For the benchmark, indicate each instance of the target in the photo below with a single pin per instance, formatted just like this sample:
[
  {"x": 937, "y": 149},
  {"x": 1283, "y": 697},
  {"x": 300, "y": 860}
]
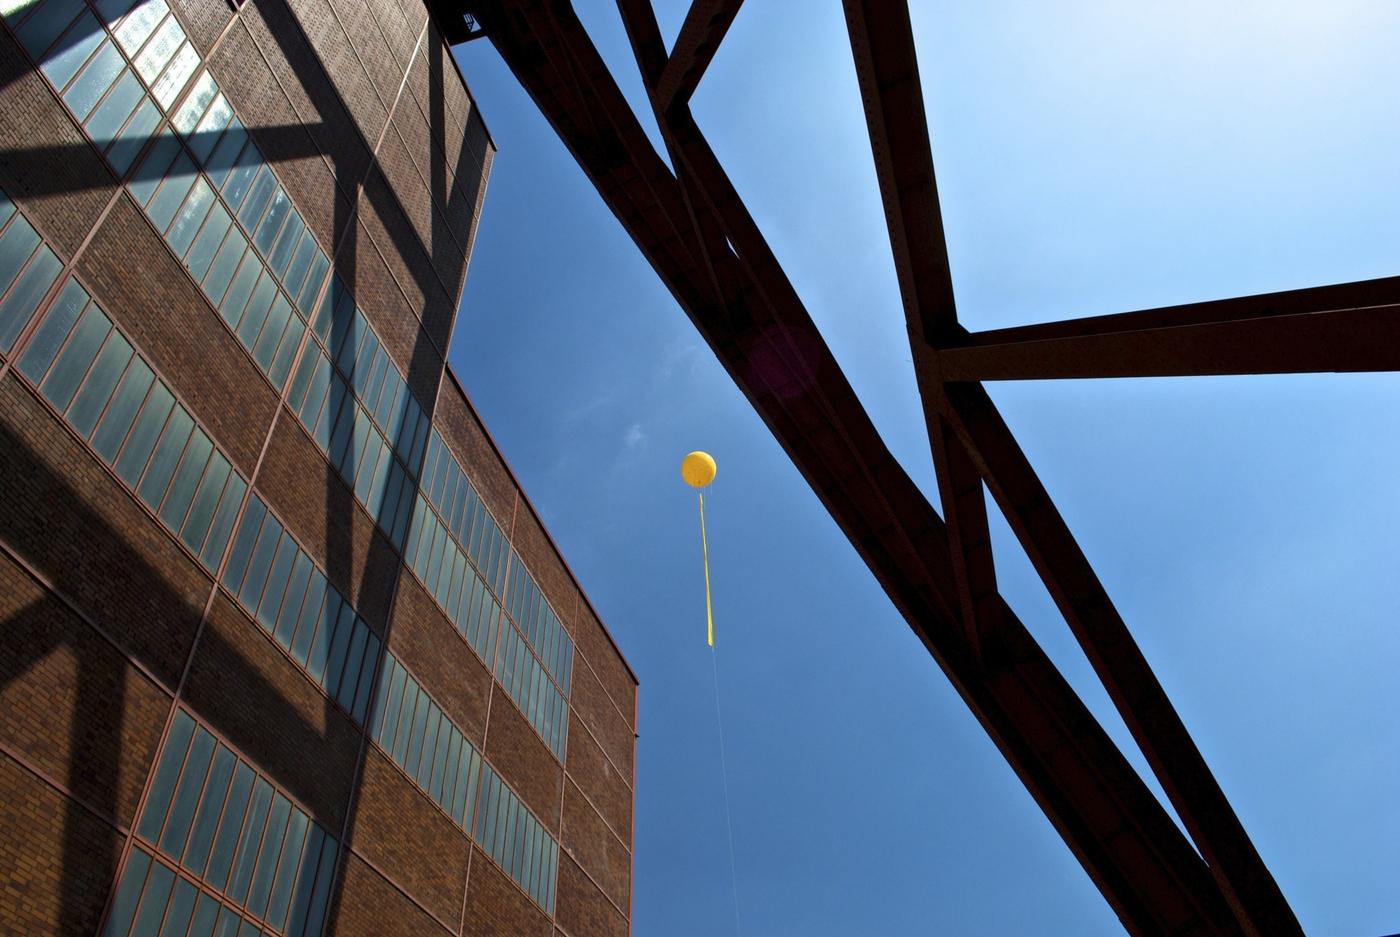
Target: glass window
[
  {"x": 413, "y": 701},
  {"x": 187, "y": 223},
  {"x": 204, "y": 914},
  {"x": 319, "y": 655},
  {"x": 78, "y": 43},
  {"x": 302, "y": 891},
  {"x": 211, "y": 803},
  {"x": 300, "y": 265},
  {"x": 389, "y": 700},
  {"x": 171, "y": 195},
  {"x": 258, "y": 197},
  {"x": 276, "y": 583},
  {"x": 223, "y": 521},
  {"x": 167, "y": 39},
  {"x": 291, "y": 605},
  {"x": 143, "y": 436},
  {"x": 241, "y": 174},
  {"x": 133, "y": 31},
  {"x": 102, "y": 380},
  {"x": 225, "y": 155},
  {"x": 132, "y": 138},
  {"x": 210, "y": 129},
  {"x": 310, "y": 616},
  {"x": 112, "y": 113},
  {"x": 182, "y": 66},
  {"x": 201, "y": 255},
  {"x": 94, "y": 80},
  {"x": 128, "y": 894},
  {"x": 23, "y": 299},
  {"x": 121, "y": 412},
  {"x": 350, "y": 670},
  {"x": 256, "y": 313},
  {"x": 317, "y": 276},
  {"x": 224, "y": 265},
  {"x": 45, "y": 24},
  {"x": 177, "y": 826},
  {"x": 261, "y": 559},
  {"x": 231, "y": 309},
  {"x": 205, "y": 501},
  {"x": 282, "y": 250},
  {"x": 186, "y": 479},
  {"x": 277, "y": 822},
  {"x": 167, "y": 772},
  {"x": 365, "y": 684},
  {"x": 272, "y": 222},
  {"x": 272, "y": 331},
  {"x": 73, "y": 362},
  {"x": 166, "y": 457},
  {"x": 286, "y": 869},
  {"x": 221, "y": 856},
  {"x": 286, "y": 351},
  {"x": 154, "y": 900},
  {"x": 249, "y": 842}
]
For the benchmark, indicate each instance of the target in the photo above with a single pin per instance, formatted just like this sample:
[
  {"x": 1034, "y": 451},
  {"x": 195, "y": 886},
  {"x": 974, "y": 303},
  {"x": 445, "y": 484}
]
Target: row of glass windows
[
  {"x": 418, "y": 735},
  {"x": 462, "y": 510},
  {"x": 280, "y": 587},
  {"x": 447, "y": 574},
  {"x": 107, "y": 393},
  {"x": 525, "y": 679},
  {"x": 541, "y": 627},
  {"x": 223, "y": 824},
  {"x": 453, "y": 582},
  {"x": 458, "y": 506},
  {"x": 516, "y": 840}
]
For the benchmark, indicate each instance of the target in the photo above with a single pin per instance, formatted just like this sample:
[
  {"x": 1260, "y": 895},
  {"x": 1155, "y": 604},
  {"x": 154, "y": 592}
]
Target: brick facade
[{"x": 108, "y": 621}]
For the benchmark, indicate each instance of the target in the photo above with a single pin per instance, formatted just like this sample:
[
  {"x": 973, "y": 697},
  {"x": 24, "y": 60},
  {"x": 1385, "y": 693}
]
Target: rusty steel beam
[
  {"x": 882, "y": 45},
  {"x": 705, "y": 24},
  {"x": 1339, "y": 340},
  {"x": 747, "y": 311}
]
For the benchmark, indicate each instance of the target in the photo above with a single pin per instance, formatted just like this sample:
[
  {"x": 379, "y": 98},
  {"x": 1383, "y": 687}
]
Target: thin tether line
[{"x": 724, "y": 786}]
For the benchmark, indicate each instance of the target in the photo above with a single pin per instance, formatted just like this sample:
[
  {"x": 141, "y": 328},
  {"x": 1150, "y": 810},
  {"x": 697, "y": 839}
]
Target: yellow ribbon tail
[{"x": 705, "y": 552}]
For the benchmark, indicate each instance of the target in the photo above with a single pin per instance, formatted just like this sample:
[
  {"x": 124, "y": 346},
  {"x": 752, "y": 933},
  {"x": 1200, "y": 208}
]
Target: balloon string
[
  {"x": 705, "y": 552},
  {"x": 724, "y": 786}
]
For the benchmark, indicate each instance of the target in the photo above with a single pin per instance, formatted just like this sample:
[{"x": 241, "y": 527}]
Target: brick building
[{"x": 284, "y": 649}]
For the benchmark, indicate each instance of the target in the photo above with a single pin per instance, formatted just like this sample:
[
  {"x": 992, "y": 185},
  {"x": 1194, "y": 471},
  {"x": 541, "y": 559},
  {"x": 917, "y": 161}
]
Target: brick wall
[{"x": 106, "y": 619}]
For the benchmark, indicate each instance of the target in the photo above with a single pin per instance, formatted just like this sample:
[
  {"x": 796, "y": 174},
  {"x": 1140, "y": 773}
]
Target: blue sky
[{"x": 1091, "y": 158}]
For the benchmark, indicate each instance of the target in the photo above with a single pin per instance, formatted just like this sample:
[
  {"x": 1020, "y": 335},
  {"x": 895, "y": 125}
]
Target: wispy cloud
[{"x": 635, "y": 437}]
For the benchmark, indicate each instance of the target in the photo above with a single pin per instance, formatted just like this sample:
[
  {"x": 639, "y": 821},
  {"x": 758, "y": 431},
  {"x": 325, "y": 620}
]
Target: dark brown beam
[
  {"x": 883, "y": 47},
  {"x": 1134, "y": 689},
  {"x": 1125, "y": 840},
  {"x": 882, "y": 43},
  {"x": 1341, "y": 340},
  {"x": 705, "y": 24}
]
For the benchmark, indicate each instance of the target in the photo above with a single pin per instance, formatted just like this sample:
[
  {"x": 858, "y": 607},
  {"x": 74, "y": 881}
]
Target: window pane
[
  {"x": 143, "y": 435},
  {"x": 201, "y": 255},
  {"x": 121, "y": 412},
  {"x": 223, "y": 520},
  {"x": 24, "y": 298},
  {"x": 310, "y": 617},
  {"x": 182, "y": 490},
  {"x": 350, "y": 670},
  {"x": 276, "y": 582},
  {"x": 112, "y": 113},
  {"x": 319, "y": 655},
  {"x": 153, "y": 902},
  {"x": 257, "y": 198},
  {"x": 256, "y": 313},
  {"x": 177, "y": 916},
  {"x": 177, "y": 825},
  {"x": 195, "y": 103},
  {"x": 172, "y": 193},
  {"x": 272, "y": 223},
  {"x": 166, "y": 457},
  {"x": 286, "y": 869},
  {"x": 242, "y": 287},
  {"x": 45, "y": 24},
  {"x": 272, "y": 331},
  {"x": 159, "y": 50},
  {"x": 179, "y": 72},
  {"x": 163, "y": 784},
  {"x": 240, "y": 176},
  {"x": 95, "y": 78},
  {"x": 73, "y": 362},
  {"x": 305, "y": 882},
  {"x": 204, "y": 915},
  {"x": 249, "y": 842},
  {"x": 191, "y": 216},
  {"x": 77, "y": 44},
  {"x": 133, "y": 136},
  {"x": 291, "y": 605},
  {"x": 286, "y": 243},
  {"x": 128, "y": 894},
  {"x": 202, "y": 510},
  {"x": 221, "y": 857},
  {"x": 225, "y": 155},
  {"x": 16, "y": 245},
  {"x": 267, "y": 855},
  {"x": 102, "y": 380},
  {"x": 225, "y": 263},
  {"x": 211, "y": 803},
  {"x": 138, "y": 26},
  {"x": 210, "y": 130},
  {"x": 153, "y": 168}
]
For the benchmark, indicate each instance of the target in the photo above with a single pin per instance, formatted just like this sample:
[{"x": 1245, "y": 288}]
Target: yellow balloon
[{"x": 698, "y": 469}]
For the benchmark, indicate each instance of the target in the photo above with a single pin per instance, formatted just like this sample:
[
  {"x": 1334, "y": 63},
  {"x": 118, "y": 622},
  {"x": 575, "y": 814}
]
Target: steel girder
[{"x": 695, "y": 231}]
